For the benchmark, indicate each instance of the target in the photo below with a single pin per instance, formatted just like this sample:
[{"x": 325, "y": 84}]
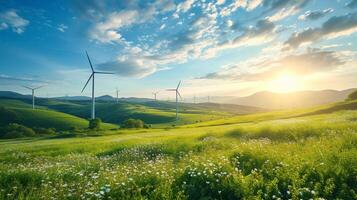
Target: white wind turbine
[
  {"x": 117, "y": 95},
  {"x": 177, "y": 95},
  {"x": 92, "y": 77},
  {"x": 155, "y": 95},
  {"x": 33, "y": 94}
]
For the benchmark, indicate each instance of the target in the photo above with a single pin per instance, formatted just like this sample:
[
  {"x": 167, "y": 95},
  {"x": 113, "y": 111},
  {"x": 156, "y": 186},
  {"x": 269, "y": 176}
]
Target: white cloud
[
  {"x": 283, "y": 13},
  {"x": 162, "y": 26},
  {"x": 249, "y": 5},
  {"x": 310, "y": 62},
  {"x": 220, "y": 2},
  {"x": 10, "y": 19},
  {"x": 108, "y": 30},
  {"x": 334, "y": 27},
  {"x": 314, "y": 15},
  {"x": 62, "y": 27},
  {"x": 185, "y": 6}
]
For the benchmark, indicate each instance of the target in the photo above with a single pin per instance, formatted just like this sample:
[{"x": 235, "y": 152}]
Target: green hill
[
  {"x": 151, "y": 112},
  {"x": 42, "y": 117}
]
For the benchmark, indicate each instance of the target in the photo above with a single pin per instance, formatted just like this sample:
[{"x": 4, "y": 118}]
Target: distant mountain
[
  {"x": 272, "y": 100},
  {"x": 14, "y": 95},
  {"x": 103, "y": 98},
  {"x": 73, "y": 98}
]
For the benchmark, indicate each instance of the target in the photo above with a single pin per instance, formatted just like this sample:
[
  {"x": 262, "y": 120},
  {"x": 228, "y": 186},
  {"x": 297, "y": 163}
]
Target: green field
[{"x": 293, "y": 154}]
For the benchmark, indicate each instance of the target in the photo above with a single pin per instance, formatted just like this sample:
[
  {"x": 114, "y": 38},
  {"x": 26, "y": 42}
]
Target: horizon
[
  {"x": 220, "y": 47},
  {"x": 187, "y": 99}
]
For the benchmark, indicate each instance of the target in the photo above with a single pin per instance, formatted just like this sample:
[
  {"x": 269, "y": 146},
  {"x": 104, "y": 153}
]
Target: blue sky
[{"x": 217, "y": 48}]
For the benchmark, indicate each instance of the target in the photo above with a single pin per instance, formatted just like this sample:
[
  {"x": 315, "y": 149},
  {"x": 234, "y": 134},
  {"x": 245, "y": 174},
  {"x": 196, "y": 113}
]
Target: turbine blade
[
  {"x": 87, "y": 82},
  {"x": 103, "y": 72},
  {"x": 90, "y": 63},
  {"x": 179, "y": 94},
  {"x": 171, "y": 90},
  {"x": 178, "y": 85},
  {"x": 27, "y": 87},
  {"x": 39, "y": 87}
]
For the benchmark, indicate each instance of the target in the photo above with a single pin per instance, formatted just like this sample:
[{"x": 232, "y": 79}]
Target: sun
[{"x": 286, "y": 82}]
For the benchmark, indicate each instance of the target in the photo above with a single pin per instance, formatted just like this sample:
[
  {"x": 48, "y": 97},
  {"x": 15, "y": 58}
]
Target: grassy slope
[
  {"x": 42, "y": 117},
  {"x": 150, "y": 112},
  {"x": 283, "y": 114}
]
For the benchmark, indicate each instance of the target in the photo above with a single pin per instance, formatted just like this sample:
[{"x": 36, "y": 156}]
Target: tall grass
[{"x": 305, "y": 158}]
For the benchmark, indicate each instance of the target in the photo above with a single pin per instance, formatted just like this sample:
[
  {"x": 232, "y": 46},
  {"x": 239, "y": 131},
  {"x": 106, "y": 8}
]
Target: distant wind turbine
[
  {"x": 118, "y": 95},
  {"x": 33, "y": 94},
  {"x": 155, "y": 95},
  {"x": 92, "y": 77},
  {"x": 177, "y": 95}
]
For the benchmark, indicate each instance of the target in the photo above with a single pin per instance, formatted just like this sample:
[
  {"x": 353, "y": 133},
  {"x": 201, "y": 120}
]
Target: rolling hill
[
  {"x": 301, "y": 99},
  {"x": 152, "y": 112},
  {"x": 42, "y": 117}
]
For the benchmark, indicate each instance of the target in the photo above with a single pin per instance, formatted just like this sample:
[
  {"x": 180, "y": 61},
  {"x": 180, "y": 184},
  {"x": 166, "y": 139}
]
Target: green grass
[
  {"x": 45, "y": 118},
  {"x": 295, "y": 154}
]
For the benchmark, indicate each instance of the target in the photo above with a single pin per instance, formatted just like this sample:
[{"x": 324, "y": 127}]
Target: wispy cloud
[
  {"x": 21, "y": 80},
  {"x": 314, "y": 15},
  {"x": 310, "y": 62},
  {"x": 10, "y": 19},
  {"x": 352, "y": 4},
  {"x": 334, "y": 27},
  {"x": 62, "y": 28}
]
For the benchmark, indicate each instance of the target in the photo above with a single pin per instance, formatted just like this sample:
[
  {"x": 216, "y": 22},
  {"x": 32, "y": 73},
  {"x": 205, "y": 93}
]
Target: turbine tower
[
  {"x": 33, "y": 94},
  {"x": 118, "y": 95},
  {"x": 177, "y": 95},
  {"x": 155, "y": 95},
  {"x": 92, "y": 77}
]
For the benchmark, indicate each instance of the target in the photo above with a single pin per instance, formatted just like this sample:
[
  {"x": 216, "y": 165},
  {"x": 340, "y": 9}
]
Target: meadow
[{"x": 294, "y": 154}]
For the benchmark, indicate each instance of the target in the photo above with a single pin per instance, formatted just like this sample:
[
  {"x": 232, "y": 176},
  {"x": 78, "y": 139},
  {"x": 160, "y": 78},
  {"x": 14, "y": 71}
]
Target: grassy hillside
[
  {"x": 277, "y": 155},
  {"x": 42, "y": 117},
  {"x": 282, "y": 114},
  {"x": 151, "y": 112}
]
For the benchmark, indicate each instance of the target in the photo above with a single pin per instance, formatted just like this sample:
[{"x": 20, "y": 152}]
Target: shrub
[
  {"x": 8, "y": 116},
  {"x": 44, "y": 131},
  {"x": 133, "y": 123},
  {"x": 17, "y": 130},
  {"x": 352, "y": 96},
  {"x": 94, "y": 124},
  {"x": 147, "y": 126}
]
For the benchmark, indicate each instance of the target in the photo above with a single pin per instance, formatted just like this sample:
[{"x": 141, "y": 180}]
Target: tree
[
  {"x": 17, "y": 130},
  {"x": 94, "y": 124},
  {"x": 133, "y": 123},
  {"x": 352, "y": 96}
]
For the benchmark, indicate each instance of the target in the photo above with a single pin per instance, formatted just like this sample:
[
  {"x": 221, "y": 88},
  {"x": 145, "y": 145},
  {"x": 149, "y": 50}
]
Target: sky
[{"x": 217, "y": 48}]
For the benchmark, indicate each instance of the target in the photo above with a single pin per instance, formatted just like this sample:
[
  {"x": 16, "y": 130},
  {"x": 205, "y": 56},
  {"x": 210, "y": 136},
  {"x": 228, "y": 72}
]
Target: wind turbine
[
  {"x": 118, "y": 95},
  {"x": 92, "y": 77},
  {"x": 177, "y": 95},
  {"x": 155, "y": 95},
  {"x": 33, "y": 94}
]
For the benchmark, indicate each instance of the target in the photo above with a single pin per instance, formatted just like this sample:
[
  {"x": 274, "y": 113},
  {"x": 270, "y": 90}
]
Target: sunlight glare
[{"x": 286, "y": 82}]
